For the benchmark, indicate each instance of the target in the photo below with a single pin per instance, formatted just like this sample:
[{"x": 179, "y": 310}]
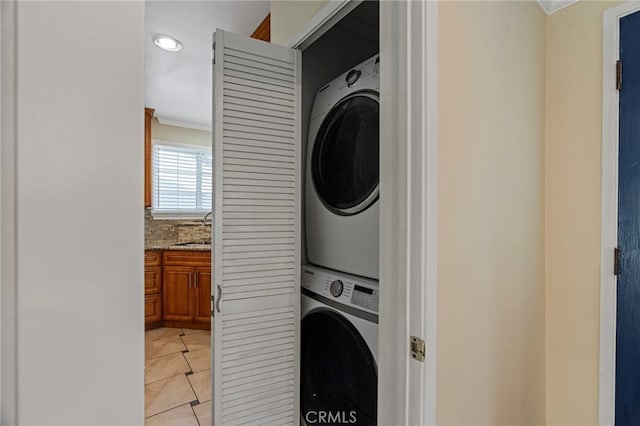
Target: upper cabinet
[
  {"x": 263, "y": 32},
  {"x": 148, "y": 115}
]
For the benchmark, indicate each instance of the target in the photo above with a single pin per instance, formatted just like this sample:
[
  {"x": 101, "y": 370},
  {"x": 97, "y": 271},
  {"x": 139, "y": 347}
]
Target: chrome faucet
[{"x": 204, "y": 221}]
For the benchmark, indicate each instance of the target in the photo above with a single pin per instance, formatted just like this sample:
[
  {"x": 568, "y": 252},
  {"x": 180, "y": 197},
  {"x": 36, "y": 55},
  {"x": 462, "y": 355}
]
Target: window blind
[{"x": 182, "y": 178}]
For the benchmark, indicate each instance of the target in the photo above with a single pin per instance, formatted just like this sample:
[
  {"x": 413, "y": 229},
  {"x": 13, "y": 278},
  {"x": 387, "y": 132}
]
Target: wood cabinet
[
  {"x": 187, "y": 289},
  {"x": 202, "y": 306},
  {"x": 153, "y": 311},
  {"x": 152, "y": 289},
  {"x": 263, "y": 32},
  {"x": 148, "y": 115},
  {"x": 178, "y": 297}
]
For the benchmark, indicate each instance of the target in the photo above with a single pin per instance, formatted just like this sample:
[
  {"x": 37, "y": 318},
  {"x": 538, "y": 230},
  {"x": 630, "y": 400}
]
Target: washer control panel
[
  {"x": 365, "y": 297},
  {"x": 344, "y": 288},
  {"x": 335, "y": 288}
]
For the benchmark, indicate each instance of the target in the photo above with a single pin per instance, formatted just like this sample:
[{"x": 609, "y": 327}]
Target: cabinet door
[
  {"x": 152, "y": 308},
  {"x": 152, "y": 280},
  {"x": 256, "y": 232},
  {"x": 202, "y": 278},
  {"x": 178, "y": 298}
]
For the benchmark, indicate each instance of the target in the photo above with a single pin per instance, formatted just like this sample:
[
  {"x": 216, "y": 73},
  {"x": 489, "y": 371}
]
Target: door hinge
[
  {"x": 619, "y": 75},
  {"x": 416, "y": 347},
  {"x": 616, "y": 261}
]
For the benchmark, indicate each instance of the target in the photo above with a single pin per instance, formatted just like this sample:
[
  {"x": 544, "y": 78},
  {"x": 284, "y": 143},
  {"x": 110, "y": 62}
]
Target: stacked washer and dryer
[{"x": 340, "y": 289}]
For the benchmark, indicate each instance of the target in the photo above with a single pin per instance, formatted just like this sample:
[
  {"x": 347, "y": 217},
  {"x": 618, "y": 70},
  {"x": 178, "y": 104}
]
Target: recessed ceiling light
[{"x": 167, "y": 43}]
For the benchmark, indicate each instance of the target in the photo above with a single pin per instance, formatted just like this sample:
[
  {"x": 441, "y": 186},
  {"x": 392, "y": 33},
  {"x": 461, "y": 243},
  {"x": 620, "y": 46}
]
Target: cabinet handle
[{"x": 219, "y": 296}]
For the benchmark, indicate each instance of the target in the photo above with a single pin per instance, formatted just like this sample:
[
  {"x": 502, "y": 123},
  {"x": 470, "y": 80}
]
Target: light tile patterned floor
[{"x": 177, "y": 377}]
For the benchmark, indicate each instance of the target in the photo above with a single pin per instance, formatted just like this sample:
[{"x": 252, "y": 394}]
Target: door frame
[
  {"x": 609, "y": 222},
  {"x": 408, "y": 210},
  {"x": 8, "y": 214}
]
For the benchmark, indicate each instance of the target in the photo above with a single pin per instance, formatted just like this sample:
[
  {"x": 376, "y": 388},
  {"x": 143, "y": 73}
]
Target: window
[{"x": 182, "y": 179}]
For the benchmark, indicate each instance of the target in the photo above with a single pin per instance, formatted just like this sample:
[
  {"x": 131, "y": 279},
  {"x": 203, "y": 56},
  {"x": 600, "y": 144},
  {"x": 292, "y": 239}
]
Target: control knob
[{"x": 336, "y": 288}]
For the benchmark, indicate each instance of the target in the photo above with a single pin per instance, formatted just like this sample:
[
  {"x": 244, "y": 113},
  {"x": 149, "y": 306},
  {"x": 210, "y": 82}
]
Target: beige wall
[
  {"x": 573, "y": 190},
  {"x": 180, "y": 134},
  {"x": 512, "y": 343},
  {"x": 491, "y": 229},
  {"x": 288, "y": 17}
]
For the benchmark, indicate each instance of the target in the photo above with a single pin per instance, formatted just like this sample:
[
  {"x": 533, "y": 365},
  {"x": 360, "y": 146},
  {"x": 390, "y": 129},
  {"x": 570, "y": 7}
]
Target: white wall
[
  {"x": 80, "y": 216},
  {"x": 7, "y": 215}
]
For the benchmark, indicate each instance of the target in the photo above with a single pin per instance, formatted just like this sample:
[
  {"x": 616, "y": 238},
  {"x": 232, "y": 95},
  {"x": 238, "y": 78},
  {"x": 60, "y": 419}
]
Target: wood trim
[
  {"x": 152, "y": 325},
  {"x": 148, "y": 115},
  {"x": 263, "y": 32}
]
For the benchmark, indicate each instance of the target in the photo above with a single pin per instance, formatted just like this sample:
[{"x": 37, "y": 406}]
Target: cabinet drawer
[
  {"x": 152, "y": 257},
  {"x": 152, "y": 279},
  {"x": 153, "y": 308},
  {"x": 186, "y": 258}
]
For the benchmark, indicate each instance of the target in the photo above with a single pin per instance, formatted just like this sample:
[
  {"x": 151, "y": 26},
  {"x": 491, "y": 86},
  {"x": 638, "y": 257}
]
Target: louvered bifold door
[{"x": 256, "y": 232}]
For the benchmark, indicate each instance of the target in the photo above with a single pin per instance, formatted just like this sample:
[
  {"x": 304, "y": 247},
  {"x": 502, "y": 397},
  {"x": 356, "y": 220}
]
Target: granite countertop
[{"x": 180, "y": 246}]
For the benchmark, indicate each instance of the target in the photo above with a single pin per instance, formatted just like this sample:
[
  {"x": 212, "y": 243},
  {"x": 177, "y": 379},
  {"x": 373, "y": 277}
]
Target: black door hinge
[
  {"x": 619, "y": 75},
  {"x": 616, "y": 261}
]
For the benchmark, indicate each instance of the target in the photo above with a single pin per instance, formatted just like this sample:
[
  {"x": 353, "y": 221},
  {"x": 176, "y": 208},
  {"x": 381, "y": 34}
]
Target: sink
[{"x": 194, "y": 244}]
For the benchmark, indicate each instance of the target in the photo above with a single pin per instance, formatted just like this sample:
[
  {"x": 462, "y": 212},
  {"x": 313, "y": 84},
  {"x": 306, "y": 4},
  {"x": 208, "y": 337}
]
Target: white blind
[{"x": 181, "y": 178}]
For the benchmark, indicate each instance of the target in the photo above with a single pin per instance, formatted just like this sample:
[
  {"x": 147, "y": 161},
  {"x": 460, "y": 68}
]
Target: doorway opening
[{"x": 178, "y": 201}]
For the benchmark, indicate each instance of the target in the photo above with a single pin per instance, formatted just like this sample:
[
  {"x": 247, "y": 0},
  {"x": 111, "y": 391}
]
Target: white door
[{"x": 256, "y": 256}]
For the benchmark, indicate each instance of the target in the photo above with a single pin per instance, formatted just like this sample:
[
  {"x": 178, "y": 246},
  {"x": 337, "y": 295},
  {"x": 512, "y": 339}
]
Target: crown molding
[
  {"x": 552, "y": 6},
  {"x": 176, "y": 123}
]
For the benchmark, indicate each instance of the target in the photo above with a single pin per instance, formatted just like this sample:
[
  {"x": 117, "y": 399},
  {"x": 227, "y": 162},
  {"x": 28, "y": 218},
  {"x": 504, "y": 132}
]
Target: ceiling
[{"x": 178, "y": 84}]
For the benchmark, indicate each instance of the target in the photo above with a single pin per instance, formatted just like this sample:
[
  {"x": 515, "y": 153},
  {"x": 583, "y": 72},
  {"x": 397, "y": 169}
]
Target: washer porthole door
[
  {"x": 339, "y": 378},
  {"x": 346, "y": 154}
]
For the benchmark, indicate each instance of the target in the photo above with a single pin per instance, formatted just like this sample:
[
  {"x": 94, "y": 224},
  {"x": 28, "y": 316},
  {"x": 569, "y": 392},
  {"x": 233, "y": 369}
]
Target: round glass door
[
  {"x": 339, "y": 376},
  {"x": 346, "y": 152}
]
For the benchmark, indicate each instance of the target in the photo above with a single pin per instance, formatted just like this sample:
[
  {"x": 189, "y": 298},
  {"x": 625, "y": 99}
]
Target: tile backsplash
[{"x": 158, "y": 233}]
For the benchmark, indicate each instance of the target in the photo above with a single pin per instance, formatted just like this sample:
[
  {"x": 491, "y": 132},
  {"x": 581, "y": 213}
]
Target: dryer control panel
[
  {"x": 365, "y": 76},
  {"x": 343, "y": 288}
]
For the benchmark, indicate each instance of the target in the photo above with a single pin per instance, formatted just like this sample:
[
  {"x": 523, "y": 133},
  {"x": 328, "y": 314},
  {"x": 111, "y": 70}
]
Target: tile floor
[{"x": 177, "y": 377}]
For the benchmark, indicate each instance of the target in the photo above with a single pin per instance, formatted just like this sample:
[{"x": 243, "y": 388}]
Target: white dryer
[
  {"x": 342, "y": 209},
  {"x": 339, "y": 373}
]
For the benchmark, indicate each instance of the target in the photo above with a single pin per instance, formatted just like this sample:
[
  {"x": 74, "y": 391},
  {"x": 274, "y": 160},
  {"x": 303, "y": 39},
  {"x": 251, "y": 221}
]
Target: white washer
[
  {"x": 342, "y": 209},
  {"x": 339, "y": 373}
]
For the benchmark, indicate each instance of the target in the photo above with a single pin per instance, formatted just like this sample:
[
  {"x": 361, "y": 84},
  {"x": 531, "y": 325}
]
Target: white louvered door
[{"x": 256, "y": 254}]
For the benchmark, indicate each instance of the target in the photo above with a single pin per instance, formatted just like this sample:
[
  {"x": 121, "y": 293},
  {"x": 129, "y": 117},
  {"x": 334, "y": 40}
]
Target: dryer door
[
  {"x": 345, "y": 159},
  {"x": 339, "y": 383}
]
